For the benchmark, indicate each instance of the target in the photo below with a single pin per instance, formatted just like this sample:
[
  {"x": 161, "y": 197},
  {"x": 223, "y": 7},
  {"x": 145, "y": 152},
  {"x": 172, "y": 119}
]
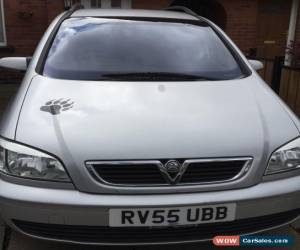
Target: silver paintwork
[
  {"x": 256, "y": 65},
  {"x": 129, "y": 121},
  {"x": 72, "y": 207},
  {"x": 132, "y": 13},
  {"x": 18, "y": 148},
  {"x": 18, "y": 63},
  {"x": 150, "y": 120}
]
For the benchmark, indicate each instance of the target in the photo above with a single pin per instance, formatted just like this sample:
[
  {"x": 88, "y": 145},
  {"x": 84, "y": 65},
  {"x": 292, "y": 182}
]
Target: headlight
[
  {"x": 285, "y": 159},
  {"x": 21, "y": 161}
]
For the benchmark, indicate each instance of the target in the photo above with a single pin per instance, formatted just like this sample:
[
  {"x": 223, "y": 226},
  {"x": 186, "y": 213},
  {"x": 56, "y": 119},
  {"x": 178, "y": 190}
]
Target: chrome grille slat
[{"x": 153, "y": 173}]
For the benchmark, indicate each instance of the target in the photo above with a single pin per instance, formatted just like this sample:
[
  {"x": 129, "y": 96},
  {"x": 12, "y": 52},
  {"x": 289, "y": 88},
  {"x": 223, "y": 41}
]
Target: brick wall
[
  {"x": 54, "y": 7},
  {"x": 241, "y": 18},
  {"x": 242, "y": 22},
  {"x": 26, "y": 21}
]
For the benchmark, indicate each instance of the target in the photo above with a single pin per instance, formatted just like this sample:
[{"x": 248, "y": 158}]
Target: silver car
[{"x": 137, "y": 127}]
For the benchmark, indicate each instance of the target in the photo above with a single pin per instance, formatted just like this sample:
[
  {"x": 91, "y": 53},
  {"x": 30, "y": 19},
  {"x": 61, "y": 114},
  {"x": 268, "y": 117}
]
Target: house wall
[
  {"x": 241, "y": 18},
  {"x": 242, "y": 22},
  {"x": 25, "y": 23},
  {"x": 153, "y": 4},
  {"x": 297, "y": 36},
  {"x": 23, "y": 34},
  {"x": 54, "y": 7},
  {"x": 24, "y": 31}
]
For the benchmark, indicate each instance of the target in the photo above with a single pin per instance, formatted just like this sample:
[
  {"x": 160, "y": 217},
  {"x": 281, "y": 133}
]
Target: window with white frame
[
  {"x": 107, "y": 4},
  {"x": 2, "y": 25}
]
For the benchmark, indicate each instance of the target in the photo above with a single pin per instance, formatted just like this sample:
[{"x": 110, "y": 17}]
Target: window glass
[
  {"x": 110, "y": 49},
  {"x": 96, "y": 3},
  {"x": 116, "y": 3}
]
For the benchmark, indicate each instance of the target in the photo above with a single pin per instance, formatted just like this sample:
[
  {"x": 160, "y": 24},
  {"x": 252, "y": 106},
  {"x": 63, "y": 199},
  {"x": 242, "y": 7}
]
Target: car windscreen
[{"x": 96, "y": 49}]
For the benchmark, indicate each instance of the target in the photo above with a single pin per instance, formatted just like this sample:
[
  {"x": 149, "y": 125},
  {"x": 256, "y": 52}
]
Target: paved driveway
[{"x": 20, "y": 242}]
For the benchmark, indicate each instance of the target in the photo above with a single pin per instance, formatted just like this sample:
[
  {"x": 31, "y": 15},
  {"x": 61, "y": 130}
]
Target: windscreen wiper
[{"x": 156, "y": 76}]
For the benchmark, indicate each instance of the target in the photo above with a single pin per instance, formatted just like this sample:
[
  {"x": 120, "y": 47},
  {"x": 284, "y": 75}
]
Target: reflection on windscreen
[{"x": 111, "y": 49}]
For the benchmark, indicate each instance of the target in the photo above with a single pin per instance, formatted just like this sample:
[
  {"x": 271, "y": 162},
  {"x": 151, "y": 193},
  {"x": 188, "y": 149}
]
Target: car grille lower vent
[
  {"x": 120, "y": 236},
  {"x": 172, "y": 172}
]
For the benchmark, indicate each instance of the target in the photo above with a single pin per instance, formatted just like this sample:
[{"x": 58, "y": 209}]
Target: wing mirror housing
[
  {"x": 257, "y": 65},
  {"x": 16, "y": 63}
]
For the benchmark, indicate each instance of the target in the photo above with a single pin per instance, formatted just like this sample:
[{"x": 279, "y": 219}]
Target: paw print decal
[{"x": 55, "y": 107}]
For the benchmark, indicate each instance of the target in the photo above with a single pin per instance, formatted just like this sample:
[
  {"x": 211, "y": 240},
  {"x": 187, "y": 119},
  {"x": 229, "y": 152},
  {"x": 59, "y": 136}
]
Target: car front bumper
[{"x": 30, "y": 209}]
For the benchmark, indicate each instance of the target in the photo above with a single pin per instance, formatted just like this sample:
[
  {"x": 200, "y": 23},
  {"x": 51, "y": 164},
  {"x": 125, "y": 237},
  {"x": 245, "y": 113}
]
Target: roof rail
[
  {"x": 183, "y": 9},
  {"x": 74, "y": 7}
]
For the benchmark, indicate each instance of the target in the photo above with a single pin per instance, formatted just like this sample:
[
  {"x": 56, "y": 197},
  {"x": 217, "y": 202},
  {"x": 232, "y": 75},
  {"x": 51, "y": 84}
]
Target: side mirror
[
  {"x": 257, "y": 65},
  {"x": 17, "y": 63}
]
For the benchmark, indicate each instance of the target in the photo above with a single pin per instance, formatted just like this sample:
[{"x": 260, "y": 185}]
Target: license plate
[{"x": 178, "y": 216}]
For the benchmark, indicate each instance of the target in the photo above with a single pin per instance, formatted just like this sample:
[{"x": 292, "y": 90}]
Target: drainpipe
[{"x": 292, "y": 30}]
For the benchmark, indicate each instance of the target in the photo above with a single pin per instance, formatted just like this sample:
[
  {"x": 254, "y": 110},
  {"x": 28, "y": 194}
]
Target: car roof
[{"x": 132, "y": 13}]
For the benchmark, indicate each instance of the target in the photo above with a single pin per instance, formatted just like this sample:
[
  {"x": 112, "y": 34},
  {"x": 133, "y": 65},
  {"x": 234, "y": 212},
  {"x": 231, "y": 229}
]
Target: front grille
[
  {"x": 155, "y": 173},
  {"x": 107, "y": 235},
  {"x": 211, "y": 171},
  {"x": 127, "y": 174}
]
